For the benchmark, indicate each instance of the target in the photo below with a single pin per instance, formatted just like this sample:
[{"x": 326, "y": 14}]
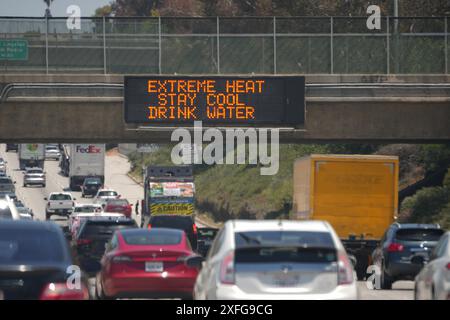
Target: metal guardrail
[
  {"x": 313, "y": 90},
  {"x": 223, "y": 45}
]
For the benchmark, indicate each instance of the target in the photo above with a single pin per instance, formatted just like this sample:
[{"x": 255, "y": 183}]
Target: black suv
[
  {"x": 185, "y": 223},
  {"x": 403, "y": 250},
  {"x": 12, "y": 146},
  {"x": 93, "y": 234},
  {"x": 90, "y": 186}
]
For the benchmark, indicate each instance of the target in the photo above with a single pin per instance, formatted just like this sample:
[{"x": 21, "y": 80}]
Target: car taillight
[
  {"x": 81, "y": 242},
  {"x": 345, "y": 270},
  {"x": 60, "y": 291},
  {"x": 121, "y": 259},
  {"x": 194, "y": 228},
  {"x": 448, "y": 266},
  {"x": 227, "y": 269},
  {"x": 395, "y": 247},
  {"x": 149, "y": 226}
]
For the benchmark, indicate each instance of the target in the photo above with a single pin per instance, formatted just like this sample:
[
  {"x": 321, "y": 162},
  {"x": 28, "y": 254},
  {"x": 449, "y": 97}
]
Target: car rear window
[
  {"x": 153, "y": 237},
  {"x": 5, "y": 181},
  {"x": 5, "y": 212},
  {"x": 60, "y": 197},
  {"x": 103, "y": 229},
  {"x": 287, "y": 238},
  {"x": 93, "y": 182},
  {"x": 293, "y": 254},
  {"x": 172, "y": 222},
  {"x": 30, "y": 246},
  {"x": 418, "y": 234},
  {"x": 87, "y": 209},
  {"x": 34, "y": 171},
  {"x": 118, "y": 202},
  {"x": 107, "y": 194}
]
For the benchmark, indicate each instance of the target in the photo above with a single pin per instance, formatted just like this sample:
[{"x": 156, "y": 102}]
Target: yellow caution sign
[{"x": 172, "y": 208}]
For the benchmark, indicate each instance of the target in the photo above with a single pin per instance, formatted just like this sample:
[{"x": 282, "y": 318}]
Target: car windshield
[
  {"x": 118, "y": 202},
  {"x": 60, "y": 196},
  {"x": 284, "y": 238},
  {"x": 153, "y": 237},
  {"x": 29, "y": 246},
  {"x": 418, "y": 234},
  {"x": 107, "y": 194}
]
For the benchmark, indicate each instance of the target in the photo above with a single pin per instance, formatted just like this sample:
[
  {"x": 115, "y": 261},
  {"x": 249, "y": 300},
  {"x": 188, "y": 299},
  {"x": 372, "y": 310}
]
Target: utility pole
[{"x": 396, "y": 16}]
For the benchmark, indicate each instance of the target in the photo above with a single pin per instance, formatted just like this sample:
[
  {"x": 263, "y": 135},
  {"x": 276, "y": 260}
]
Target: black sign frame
[{"x": 293, "y": 113}]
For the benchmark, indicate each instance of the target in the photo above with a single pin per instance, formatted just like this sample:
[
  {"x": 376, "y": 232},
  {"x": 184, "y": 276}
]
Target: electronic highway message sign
[{"x": 215, "y": 100}]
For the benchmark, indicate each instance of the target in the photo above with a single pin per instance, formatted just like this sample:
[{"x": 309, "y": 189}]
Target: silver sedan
[
  {"x": 275, "y": 259},
  {"x": 34, "y": 176},
  {"x": 433, "y": 281}
]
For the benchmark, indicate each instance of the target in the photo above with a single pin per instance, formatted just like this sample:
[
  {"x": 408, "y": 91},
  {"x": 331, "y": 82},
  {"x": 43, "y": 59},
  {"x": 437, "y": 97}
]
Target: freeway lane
[{"x": 116, "y": 178}]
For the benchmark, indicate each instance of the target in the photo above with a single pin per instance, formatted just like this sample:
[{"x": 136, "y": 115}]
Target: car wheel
[
  {"x": 99, "y": 294},
  {"x": 43, "y": 186},
  {"x": 416, "y": 295},
  {"x": 386, "y": 281},
  {"x": 48, "y": 215}
]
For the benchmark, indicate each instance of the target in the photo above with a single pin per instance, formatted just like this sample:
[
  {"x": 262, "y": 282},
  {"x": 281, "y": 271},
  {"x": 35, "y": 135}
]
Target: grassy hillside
[{"x": 239, "y": 191}]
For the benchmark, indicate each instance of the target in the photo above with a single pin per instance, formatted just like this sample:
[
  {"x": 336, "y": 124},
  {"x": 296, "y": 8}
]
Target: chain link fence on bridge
[{"x": 213, "y": 45}]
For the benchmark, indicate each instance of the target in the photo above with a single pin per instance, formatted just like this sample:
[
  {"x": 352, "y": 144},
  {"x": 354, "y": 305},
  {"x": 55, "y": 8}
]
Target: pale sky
[{"x": 36, "y": 8}]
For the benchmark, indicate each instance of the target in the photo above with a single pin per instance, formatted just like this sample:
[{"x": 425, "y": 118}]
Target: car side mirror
[
  {"x": 45, "y": 199},
  {"x": 14, "y": 182},
  {"x": 194, "y": 262},
  {"x": 353, "y": 260},
  {"x": 74, "y": 199}
]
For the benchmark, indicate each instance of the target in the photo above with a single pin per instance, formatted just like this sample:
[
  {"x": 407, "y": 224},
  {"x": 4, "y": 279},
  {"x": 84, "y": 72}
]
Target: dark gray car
[{"x": 403, "y": 250}]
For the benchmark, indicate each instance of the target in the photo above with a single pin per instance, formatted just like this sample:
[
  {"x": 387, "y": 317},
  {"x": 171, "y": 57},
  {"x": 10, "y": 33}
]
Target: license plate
[
  {"x": 153, "y": 267},
  {"x": 286, "y": 281}
]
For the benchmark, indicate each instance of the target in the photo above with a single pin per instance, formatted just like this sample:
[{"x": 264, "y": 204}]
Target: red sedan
[
  {"x": 118, "y": 206},
  {"x": 142, "y": 263}
]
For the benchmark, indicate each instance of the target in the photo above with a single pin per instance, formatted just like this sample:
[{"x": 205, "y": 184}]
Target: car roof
[
  {"x": 111, "y": 219},
  {"x": 29, "y": 225},
  {"x": 415, "y": 226},
  {"x": 171, "y": 216},
  {"x": 100, "y": 190},
  {"x": 100, "y": 214},
  {"x": 68, "y": 193},
  {"x": 153, "y": 230},
  {"x": 279, "y": 225}
]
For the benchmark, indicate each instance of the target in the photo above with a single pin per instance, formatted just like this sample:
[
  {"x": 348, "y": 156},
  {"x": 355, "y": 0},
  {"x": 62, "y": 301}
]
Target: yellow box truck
[{"x": 356, "y": 194}]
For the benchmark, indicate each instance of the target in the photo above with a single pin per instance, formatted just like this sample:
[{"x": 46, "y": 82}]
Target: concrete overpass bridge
[{"x": 339, "y": 108}]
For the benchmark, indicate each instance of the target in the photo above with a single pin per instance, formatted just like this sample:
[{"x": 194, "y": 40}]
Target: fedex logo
[{"x": 89, "y": 149}]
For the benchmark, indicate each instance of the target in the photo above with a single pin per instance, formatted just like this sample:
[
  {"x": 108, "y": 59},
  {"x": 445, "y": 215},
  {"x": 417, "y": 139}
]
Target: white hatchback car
[
  {"x": 433, "y": 281},
  {"x": 275, "y": 259}
]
